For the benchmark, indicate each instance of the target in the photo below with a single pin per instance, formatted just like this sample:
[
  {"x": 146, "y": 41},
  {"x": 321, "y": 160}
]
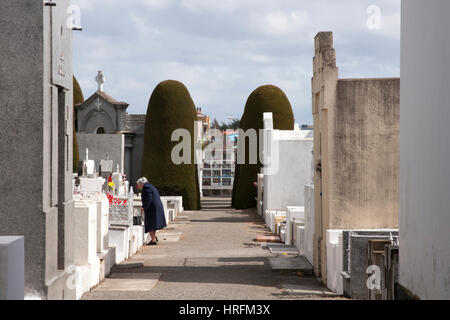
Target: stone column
[
  {"x": 324, "y": 87},
  {"x": 36, "y": 138}
]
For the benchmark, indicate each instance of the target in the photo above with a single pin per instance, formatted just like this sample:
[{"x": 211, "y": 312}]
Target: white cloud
[{"x": 223, "y": 49}]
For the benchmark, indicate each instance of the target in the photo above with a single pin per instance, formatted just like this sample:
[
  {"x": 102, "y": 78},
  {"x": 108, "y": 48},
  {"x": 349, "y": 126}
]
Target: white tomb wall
[
  {"x": 424, "y": 217},
  {"x": 335, "y": 263},
  {"x": 291, "y": 214},
  {"x": 284, "y": 182},
  {"x": 309, "y": 224},
  {"x": 92, "y": 185}
]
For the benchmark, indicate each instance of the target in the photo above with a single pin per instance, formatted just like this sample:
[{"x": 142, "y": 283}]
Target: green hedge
[
  {"x": 77, "y": 98},
  {"x": 264, "y": 99},
  {"x": 170, "y": 108}
]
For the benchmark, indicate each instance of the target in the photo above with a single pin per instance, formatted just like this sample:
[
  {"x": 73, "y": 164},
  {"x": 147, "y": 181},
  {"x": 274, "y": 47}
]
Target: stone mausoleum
[
  {"x": 356, "y": 157},
  {"x": 106, "y": 129}
]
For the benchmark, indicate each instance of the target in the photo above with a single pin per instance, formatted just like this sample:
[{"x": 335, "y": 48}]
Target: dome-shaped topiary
[
  {"x": 264, "y": 99},
  {"x": 170, "y": 108},
  {"x": 77, "y": 98}
]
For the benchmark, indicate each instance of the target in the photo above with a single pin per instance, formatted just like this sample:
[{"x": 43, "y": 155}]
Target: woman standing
[{"x": 154, "y": 211}]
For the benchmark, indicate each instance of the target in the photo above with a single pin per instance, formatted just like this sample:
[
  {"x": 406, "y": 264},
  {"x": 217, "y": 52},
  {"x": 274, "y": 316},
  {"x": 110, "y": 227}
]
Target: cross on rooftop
[{"x": 100, "y": 79}]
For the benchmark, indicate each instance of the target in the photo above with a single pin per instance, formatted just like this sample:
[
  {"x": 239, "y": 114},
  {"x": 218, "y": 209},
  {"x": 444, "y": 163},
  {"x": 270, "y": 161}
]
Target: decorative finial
[{"x": 100, "y": 79}]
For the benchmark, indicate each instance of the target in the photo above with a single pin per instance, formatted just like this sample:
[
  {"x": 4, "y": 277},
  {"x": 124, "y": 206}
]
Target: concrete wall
[
  {"x": 136, "y": 123},
  {"x": 100, "y": 145},
  {"x": 364, "y": 154},
  {"x": 424, "y": 149},
  {"x": 136, "y": 162}
]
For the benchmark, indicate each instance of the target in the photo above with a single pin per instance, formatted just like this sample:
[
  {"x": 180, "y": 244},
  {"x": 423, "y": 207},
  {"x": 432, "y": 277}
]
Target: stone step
[
  {"x": 281, "y": 248},
  {"x": 177, "y": 222},
  {"x": 268, "y": 238},
  {"x": 306, "y": 290},
  {"x": 134, "y": 265},
  {"x": 138, "y": 281},
  {"x": 291, "y": 264}
]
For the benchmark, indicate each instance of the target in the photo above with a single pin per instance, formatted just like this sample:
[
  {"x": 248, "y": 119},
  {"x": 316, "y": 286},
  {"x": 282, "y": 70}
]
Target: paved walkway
[{"x": 215, "y": 258}]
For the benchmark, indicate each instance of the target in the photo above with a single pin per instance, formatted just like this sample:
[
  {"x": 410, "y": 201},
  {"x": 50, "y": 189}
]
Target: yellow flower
[{"x": 111, "y": 184}]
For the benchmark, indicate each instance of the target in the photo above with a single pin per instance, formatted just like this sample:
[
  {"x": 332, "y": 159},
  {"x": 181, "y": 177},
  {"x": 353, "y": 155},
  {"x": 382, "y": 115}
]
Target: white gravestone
[
  {"x": 85, "y": 226},
  {"x": 12, "y": 268},
  {"x": 106, "y": 166},
  {"x": 90, "y": 165},
  {"x": 292, "y": 213},
  {"x": 102, "y": 222},
  {"x": 92, "y": 185}
]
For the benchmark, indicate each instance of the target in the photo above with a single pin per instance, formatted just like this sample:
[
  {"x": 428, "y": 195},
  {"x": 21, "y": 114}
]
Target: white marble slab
[
  {"x": 291, "y": 214},
  {"x": 119, "y": 238},
  {"x": 129, "y": 282}
]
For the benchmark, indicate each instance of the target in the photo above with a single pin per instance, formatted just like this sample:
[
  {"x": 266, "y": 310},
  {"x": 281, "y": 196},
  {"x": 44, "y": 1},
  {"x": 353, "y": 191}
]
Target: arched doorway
[{"x": 100, "y": 130}]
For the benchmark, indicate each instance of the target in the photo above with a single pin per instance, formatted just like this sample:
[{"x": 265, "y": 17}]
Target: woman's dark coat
[{"x": 153, "y": 208}]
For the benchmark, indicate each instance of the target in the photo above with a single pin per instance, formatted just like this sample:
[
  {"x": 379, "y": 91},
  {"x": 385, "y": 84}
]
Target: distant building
[
  {"x": 219, "y": 161},
  {"x": 206, "y": 120}
]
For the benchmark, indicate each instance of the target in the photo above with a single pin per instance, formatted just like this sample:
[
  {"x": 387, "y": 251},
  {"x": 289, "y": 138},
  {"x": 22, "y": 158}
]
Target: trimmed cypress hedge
[
  {"x": 77, "y": 98},
  {"x": 264, "y": 99},
  {"x": 170, "y": 108}
]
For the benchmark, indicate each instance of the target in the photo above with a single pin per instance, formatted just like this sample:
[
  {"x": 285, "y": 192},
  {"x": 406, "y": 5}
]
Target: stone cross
[
  {"x": 98, "y": 103},
  {"x": 100, "y": 79}
]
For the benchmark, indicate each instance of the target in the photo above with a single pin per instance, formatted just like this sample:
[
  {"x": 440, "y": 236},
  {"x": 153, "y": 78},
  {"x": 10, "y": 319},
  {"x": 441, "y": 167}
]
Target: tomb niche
[
  {"x": 266, "y": 98},
  {"x": 77, "y": 99},
  {"x": 170, "y": 108}
]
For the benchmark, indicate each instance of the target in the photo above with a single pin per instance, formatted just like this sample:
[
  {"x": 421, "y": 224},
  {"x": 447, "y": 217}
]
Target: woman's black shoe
[{"x": 152, "y": 243}]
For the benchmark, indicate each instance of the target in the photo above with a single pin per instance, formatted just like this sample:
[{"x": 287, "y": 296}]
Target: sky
[{"x": 222, "y": 50}]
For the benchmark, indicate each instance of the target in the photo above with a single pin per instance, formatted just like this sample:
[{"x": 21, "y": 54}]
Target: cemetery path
[{"x": 216, "y": 258}]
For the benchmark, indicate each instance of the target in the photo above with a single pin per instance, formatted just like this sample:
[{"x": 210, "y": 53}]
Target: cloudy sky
[{"x": 224, "y": 49}]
